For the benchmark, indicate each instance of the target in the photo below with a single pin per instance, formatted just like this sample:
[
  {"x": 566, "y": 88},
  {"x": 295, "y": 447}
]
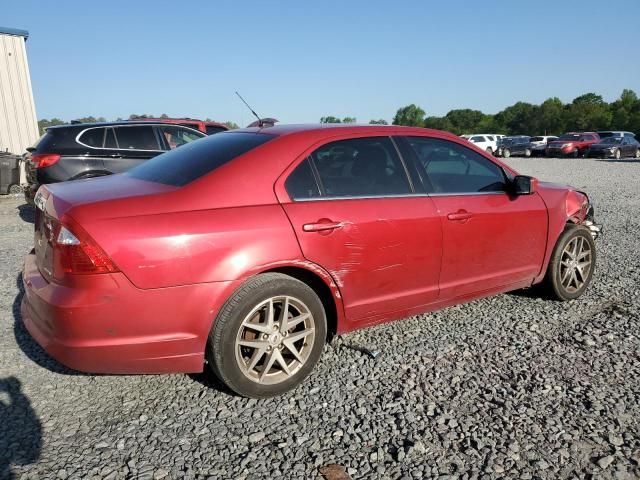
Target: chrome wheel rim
[
  {"x": 275, "y": 340},
  {"x": 575, "y": 264}
]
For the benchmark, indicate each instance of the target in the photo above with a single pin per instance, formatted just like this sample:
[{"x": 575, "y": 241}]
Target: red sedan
[{"x": 250, "y": 248}]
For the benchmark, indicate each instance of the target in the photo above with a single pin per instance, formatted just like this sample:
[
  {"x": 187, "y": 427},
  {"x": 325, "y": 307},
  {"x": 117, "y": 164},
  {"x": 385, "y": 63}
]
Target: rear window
[
  {"x": 56, "y": 139},
  {"x": 194, "y": 160}
]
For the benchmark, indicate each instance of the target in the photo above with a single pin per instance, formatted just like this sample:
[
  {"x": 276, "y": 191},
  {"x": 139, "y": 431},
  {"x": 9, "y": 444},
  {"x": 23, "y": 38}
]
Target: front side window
[
  {"x": 451, "y": 168},
  {"x": 137, "y": 138},
  {"x": 176, "y": 136},
  {"x": 360, "y": 167}
]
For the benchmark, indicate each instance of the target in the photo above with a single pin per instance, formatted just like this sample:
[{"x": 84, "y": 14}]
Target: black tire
[
  {"x": 617, "y": 155},
  {"x": 506, "y": 153},
  {"x": 221, "y": 347},
  {"x": 637, "y": 155},
  {"x": 527, "y": 153},
  {"x": 489, "y": 150},
  {"x": 15, "y": 189},
  {"x": 552, "y": 279},
  {"x": 575, "y": 153}
]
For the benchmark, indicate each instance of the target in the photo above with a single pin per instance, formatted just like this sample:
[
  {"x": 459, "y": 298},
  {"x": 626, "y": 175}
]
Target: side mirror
[{"x": 524, "y": 185}]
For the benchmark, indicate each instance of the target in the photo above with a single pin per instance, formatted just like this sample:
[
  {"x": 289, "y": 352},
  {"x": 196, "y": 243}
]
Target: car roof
[
  {"x": 331, "y": 129},
  {"x": 108, "y": 124}
]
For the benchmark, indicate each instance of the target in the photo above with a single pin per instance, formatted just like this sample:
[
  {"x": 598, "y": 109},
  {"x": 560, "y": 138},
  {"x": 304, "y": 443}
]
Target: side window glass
[
  {"x": 361, "y": 167},
  {"x": 477, "y": 138},
  {"x": 453, "y": 168},
  {"x": 110, "y": 139},
  {"x": 137, "y": 138},
  {"x": 176, "y": 136},
  {"x": 301, "y": 184},
  {"x": 93, "y": 137}
]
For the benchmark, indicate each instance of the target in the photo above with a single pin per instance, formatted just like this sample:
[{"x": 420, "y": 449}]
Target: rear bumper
[{"x": 104, "y": 324}]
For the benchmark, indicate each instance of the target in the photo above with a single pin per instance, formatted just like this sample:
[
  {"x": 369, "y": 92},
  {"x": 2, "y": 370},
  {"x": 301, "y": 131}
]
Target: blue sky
[{"x": 302, "y": 60}]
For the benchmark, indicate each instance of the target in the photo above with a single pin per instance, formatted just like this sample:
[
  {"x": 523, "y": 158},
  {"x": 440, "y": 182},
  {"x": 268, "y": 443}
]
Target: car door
[
  {"x": 490, "y": 237},
  {"x": 135, "y": 144},
  {"x": 355, "y": 213}
]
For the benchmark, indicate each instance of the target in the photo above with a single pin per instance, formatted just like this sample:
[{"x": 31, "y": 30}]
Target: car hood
[{"x": 604, "y": 145}]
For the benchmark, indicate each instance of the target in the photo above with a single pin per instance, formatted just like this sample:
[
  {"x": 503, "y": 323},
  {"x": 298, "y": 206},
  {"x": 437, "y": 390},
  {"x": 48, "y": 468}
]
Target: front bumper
[{"x": 104, "y": 324}]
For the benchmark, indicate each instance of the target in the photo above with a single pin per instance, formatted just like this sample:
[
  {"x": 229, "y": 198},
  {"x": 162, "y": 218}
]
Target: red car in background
[
  {"x": 207, "y": 127},
  {"x": 573, "y": 144},
  {"x": 252, "y": 247}
]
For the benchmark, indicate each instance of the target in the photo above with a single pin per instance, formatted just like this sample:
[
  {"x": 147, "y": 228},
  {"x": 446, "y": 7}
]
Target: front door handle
[
  {"x": 460, "y": 215},
  {"x": 322, "y": 226}
]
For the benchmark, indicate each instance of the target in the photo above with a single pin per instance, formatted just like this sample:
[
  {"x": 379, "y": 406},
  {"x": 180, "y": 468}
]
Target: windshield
[
  {"x": 612, "y": 140},
  {"x": 570, "y": 136},
  {"x": 196, "y": 159}
]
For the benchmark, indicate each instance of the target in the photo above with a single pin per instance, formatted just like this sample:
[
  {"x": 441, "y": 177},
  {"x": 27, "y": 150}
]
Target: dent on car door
[
  {"x": 490, "y": 237},
  {"x": 136, "y": 144},
  {"x": 354, "y": 213}
]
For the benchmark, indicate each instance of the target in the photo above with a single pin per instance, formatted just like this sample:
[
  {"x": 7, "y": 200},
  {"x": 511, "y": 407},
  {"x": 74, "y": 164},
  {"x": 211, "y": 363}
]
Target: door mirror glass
[{"x": 524, "y": 185}]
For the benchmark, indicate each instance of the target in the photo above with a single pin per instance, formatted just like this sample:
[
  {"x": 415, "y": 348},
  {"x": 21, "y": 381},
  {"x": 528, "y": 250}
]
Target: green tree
[
  {"x": 465, "y": 120},
  {"x": 44, "y": 123},
  {"x": 349, "y": 120},
  {"x": 232, "y": 125},
  {"x": 410, "y": 116},
  {"x": 378, "y": 122},
  {"x": 551, "y": 117},
  {"x": 330, "y": 119},
  {"x": 589, "y": 112},
  {"x": 518, "y": 119}
]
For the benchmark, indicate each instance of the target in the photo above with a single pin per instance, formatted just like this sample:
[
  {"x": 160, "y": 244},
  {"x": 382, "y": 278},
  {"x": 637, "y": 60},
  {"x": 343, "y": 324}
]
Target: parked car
[
  {"x": 572, "y": 144},
  {"x": 539, "y": 144},
  {"x": 485, "y": 142},
  {"x": 616, "y": 133},
  {"x": 84, "y": 150},
  {"x": 515, "y": 145},
  {"x": 615, "y": 147},
  {"x": 251, "y": 247},
  {"x": 203, "y": 126}
]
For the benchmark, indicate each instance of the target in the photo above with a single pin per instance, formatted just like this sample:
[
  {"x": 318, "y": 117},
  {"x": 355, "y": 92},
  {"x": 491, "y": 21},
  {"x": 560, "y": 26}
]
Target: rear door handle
[
  {"x": 322, "y": 226},
  {"x": 460, "y": 215}
]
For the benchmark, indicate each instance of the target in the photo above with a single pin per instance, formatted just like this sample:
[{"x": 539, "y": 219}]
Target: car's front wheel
[
  {"x": 527, "y": 153},
  {"x": 506, "y": 153},
  {"x": 572, "y": 263},
  {"x": 268, "y": 336},
  {"x": 617, "y": 154}
]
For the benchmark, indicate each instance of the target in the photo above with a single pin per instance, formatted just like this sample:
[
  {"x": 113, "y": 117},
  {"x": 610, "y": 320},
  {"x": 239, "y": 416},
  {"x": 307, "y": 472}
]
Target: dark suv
[{"x": 72, "y": 152}]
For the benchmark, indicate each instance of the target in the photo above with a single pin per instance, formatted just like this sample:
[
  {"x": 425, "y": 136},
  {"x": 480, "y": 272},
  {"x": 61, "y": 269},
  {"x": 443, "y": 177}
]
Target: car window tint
[
  {"x": 110, "y": 139},
  {"x": 361, "y": 167},
  {"x": 194, "y": 160},
  {"x": 211, "y": 129},
  {"x": 94, "y": 137},
  {"x": 477, "y": 138},
  {"x": 137, "y": 138},
  {"x": 452, "y": 168},
  {"x": 301, "y": 184},
  {"x": 176, "y": 136}
]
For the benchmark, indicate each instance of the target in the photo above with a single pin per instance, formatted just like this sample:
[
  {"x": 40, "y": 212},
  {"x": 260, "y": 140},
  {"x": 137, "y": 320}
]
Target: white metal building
[{"x": 18, "y": 121}]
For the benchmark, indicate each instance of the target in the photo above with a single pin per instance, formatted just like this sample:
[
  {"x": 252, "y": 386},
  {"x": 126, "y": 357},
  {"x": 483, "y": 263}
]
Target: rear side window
[
  {"x": 176, "y": 136},
  {"x": 94, "y": 137},
  {"x": 451, "y": 168},
  {"x": 302, "y": 184},
  {"x": 110, "y": 139},
  {"x": 360, "y": 167},
  {"x": 477, "y": 138},
  {"x": 137, "y": 138},
  {"x": 194, "y": 160}
]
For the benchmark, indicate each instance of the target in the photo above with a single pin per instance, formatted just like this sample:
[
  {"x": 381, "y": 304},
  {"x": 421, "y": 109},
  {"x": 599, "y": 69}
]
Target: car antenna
[{"x": 251, "y": 109}]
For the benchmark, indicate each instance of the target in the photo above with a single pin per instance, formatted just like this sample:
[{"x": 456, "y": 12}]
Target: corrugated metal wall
[{"x": 18, "y": 121}]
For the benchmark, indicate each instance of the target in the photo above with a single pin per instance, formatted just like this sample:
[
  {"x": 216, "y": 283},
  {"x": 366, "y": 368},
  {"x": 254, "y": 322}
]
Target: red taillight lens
[
  {"x": 75, "y": 252},
  {"x": 43, "y": 160}
]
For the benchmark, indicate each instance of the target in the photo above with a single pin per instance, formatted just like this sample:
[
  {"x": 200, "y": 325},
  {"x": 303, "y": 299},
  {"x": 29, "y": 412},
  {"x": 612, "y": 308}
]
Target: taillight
[
  {"x": 43, "y": 160},
  {"x": 75, "y": 252}
]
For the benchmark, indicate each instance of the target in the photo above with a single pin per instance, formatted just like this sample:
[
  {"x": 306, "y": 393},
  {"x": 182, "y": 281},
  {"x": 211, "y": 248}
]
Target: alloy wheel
[
  {"x": 275, "y": 340},
  {"x": 575, "y": 264}
]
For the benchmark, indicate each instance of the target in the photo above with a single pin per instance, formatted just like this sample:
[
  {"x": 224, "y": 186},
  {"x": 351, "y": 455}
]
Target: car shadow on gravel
[
  {"x": 28, "y": 345},
  {"x": 21, "y": 438},
  {"x": 27, "y": 213},
  {"x": 622, "y": 160}
]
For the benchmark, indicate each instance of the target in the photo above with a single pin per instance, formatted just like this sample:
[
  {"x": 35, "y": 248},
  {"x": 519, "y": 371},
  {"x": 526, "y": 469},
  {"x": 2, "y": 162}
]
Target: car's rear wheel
[
  {"x": 637, "y": 153},
  {"x": 268, "y": 336},
  {"x": 527, "y": 153},
  {"x": 572, "y": 263},
  {"x": 506, "y": 153},
  {"x": 489, "y": 150},
  {"x": 617, "y": 154}
]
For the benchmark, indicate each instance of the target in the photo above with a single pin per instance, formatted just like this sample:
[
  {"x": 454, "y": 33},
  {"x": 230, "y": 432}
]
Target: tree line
[
  {"x": 587, "y": 112},
  {"x": 44, "y": 123}
]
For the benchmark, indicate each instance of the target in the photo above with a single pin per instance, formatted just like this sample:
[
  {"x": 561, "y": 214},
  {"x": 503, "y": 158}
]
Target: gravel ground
[{"x": 506, "y": 387}]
